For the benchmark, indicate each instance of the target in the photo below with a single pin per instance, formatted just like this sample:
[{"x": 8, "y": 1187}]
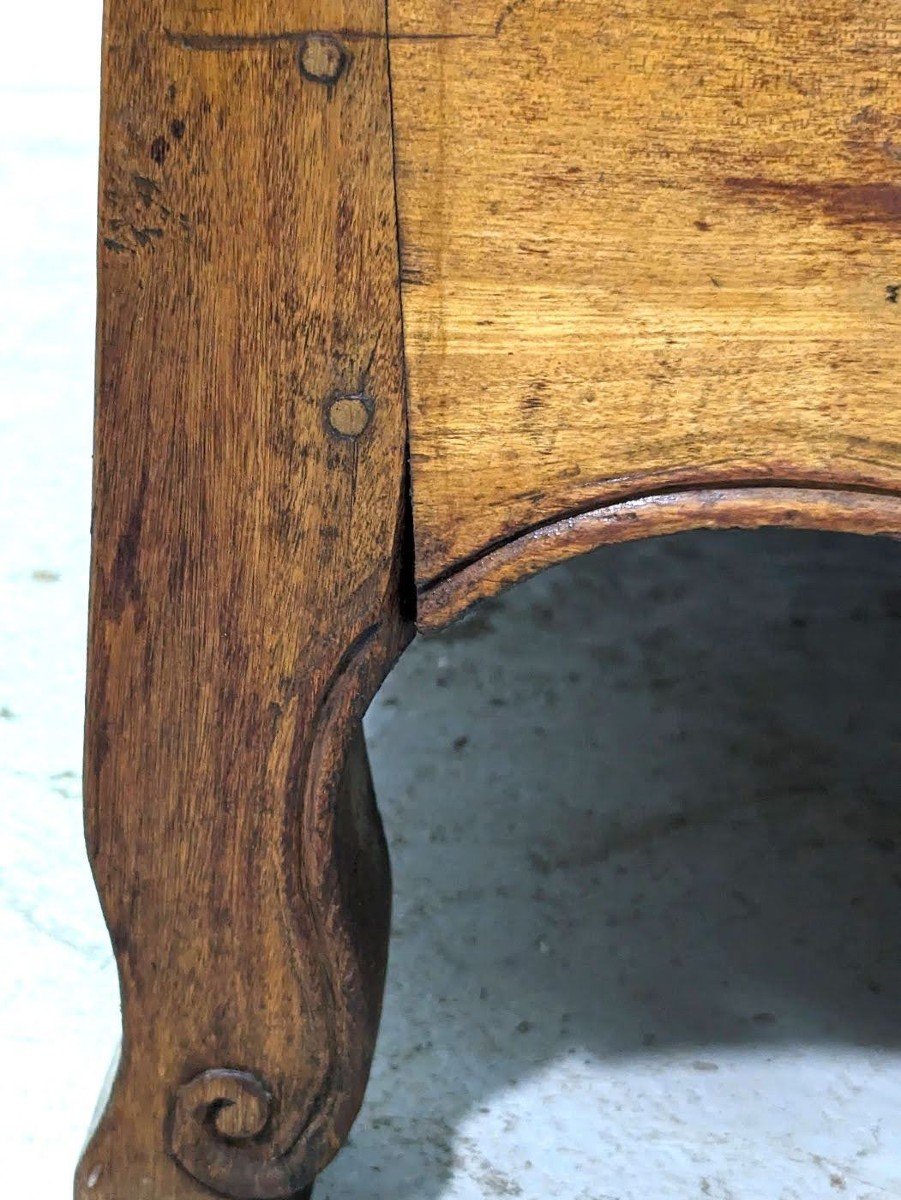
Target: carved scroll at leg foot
[
  {"x": 232, "y": 1129},
  {"x": 249, "y": 1030}
]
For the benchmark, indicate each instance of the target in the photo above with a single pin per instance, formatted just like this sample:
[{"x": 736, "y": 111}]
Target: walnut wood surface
[
  {"x": 647, "y": 260},
  {"x": 246, "y": 596},
  {"x": 655, "y": 516},
  {"x": 644, "y": 247}
]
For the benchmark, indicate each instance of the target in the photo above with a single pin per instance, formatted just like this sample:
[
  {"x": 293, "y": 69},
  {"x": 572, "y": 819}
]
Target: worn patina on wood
[
  {"x": 246, "y": 596},
  {"x": 647, "y": 248},
  {"x": 648, "y": 262}
]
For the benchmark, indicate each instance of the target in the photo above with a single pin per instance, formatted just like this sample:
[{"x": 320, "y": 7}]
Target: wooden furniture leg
[{"x": 248, "y": 584}]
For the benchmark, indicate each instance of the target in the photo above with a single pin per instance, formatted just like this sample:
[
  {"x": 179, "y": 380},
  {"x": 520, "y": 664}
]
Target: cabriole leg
[{"x": 247, "y": 585}]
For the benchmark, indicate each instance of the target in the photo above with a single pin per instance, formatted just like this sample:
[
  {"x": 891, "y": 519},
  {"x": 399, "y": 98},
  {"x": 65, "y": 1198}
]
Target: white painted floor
[{"x": 644, "y": 814}]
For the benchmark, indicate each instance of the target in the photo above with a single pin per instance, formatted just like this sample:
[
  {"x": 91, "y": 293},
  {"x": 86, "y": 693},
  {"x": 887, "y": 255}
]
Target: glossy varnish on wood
[{"x": 644, "y": 247}]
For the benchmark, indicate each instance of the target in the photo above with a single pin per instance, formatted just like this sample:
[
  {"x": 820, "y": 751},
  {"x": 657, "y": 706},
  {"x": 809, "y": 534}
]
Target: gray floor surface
[{"x": 643, "y": 813}]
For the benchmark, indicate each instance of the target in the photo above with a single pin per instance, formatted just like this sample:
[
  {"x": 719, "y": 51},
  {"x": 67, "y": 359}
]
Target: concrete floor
[
  {"x": 644, "y": 815},
  {"x": 645, "y": 826}
]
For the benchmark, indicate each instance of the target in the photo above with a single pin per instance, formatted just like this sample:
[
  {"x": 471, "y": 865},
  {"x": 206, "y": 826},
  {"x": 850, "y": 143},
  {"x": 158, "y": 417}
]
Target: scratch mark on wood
[
  {"x": 228, "y": 42},
  {"x": 508, "y": 11}
]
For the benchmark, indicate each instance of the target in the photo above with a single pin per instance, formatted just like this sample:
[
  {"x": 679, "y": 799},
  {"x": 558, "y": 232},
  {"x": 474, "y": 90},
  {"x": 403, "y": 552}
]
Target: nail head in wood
[
  {"x": 348, "y": 416},
  {"x": 322, "y": 58}
]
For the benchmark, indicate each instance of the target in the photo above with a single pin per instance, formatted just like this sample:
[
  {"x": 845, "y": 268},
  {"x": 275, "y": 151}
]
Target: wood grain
[
  {"x": 648, "y": 259},
  {"x": 246, "y": 584},
  {"x": 655, "y": 516},
  {"x": 643, "y": 247}
]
